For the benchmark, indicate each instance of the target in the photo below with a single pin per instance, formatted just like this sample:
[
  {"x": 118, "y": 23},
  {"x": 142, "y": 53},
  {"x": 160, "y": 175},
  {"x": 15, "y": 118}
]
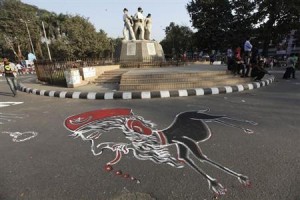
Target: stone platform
[
  {"x": 141, "y": 51},
  {"x": 180, "y": 78}
]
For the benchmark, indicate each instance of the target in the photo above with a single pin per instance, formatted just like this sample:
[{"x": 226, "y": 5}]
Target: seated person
[
  {"x": 258, "y": 71},
  {"x": 238, "y": 65}
]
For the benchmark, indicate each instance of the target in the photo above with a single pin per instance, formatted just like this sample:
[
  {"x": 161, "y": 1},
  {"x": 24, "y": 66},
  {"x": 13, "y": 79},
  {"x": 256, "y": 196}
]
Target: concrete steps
[
  {"x": 113, "y": 76},
  {"x": 175, "y": 80}
]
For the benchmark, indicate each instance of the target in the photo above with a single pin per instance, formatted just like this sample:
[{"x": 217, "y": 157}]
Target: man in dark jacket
[{"x": 258, "y": 71}]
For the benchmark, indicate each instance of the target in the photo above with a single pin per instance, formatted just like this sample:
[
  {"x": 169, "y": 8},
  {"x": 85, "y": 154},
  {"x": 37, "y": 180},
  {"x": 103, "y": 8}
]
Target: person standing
[
  {"x": 290, "y": 70},
  {"x": 10, "y": 76},
  {"x": 229, "y": 59},
  {"x": 128, "y": 23},
  {"x": 295, "y": 58},
  {"x": 247, "y": 55},
  {"x": 139, "y": 24}
]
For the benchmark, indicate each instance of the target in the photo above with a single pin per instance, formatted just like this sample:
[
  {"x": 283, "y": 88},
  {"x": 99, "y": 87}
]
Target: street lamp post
[
  {"x": 28, "y": 35},
  {"x": 46, "y": 41}
]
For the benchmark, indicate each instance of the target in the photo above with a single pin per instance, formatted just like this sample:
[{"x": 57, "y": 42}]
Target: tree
[
  {"x": 178, "y": 39},
  {"x": 211, "y": 18},
  {"x": 275, "y": 19},
  {"x": 70, "y": 36},
  {"x": 243, "y": 23}
]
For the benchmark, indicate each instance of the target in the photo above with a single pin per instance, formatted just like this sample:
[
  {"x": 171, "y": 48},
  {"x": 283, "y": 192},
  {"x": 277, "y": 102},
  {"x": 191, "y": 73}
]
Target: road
[{"x": 40, "y": 160}]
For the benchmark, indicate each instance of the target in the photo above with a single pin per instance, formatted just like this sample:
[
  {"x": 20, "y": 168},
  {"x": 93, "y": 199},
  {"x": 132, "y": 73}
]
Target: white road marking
[{"x": 5, "y": 104}]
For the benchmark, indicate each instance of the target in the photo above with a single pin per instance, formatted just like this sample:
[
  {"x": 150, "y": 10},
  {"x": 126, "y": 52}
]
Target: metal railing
[{"x": 52, "y": 72}]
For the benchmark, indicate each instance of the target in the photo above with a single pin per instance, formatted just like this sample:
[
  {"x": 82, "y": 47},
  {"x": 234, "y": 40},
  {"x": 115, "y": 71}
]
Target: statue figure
[
  {"x": 128, "y": 23},
  {"x": 148, "y": 27},
  {"x": 139, "y": 24}
]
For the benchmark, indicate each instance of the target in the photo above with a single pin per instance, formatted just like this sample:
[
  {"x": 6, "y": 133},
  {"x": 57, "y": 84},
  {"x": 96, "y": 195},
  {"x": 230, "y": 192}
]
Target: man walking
[{"x": 10, "y": 77}]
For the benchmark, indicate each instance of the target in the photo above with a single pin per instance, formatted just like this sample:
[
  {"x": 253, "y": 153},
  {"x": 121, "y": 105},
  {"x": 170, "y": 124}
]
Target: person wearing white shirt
[
  {"x": 128, "y": 23},
  {"x": 139, "y": 24},
  {"x": 247, "y": 49},
  {"x": 247, "y": 55}
]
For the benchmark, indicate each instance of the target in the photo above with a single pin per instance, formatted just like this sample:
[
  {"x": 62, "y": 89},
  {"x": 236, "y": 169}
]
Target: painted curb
[{"x": 125, "y": 95}]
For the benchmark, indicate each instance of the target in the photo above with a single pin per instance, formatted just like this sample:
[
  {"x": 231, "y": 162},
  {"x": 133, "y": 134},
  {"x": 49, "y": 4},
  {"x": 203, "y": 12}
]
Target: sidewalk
[{"x": 30, "y": 84}]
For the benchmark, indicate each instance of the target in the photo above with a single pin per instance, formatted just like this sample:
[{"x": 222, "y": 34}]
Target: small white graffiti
[
  {"x": 6, "y": 117},
  {"x": 21, "y": 137}
]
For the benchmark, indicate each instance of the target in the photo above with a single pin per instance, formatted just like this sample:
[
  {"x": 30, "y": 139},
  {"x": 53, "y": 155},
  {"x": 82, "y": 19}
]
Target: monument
[{"x": 137, "y": 45}]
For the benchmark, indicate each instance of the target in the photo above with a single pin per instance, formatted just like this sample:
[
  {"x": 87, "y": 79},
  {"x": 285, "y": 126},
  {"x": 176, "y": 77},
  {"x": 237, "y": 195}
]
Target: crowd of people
[{"x": 247, "y": 62}]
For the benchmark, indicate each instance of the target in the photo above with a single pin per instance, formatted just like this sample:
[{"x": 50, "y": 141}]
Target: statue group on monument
[{"x": 137, "y": 27}]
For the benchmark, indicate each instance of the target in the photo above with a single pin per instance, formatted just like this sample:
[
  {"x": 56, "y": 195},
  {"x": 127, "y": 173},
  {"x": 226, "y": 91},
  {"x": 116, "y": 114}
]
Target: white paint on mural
[
  {"x": 5, "y": 104},
  {"x": 21, "y": 137},
  {"x": 131, "y": 49},
  {"x": 151, "y": 49}
]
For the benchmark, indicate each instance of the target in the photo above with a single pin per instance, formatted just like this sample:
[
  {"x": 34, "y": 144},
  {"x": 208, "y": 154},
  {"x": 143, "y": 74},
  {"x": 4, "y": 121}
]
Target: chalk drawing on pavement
[
  {"x": 21, "y": 136},
  {"x": 147, "y": 143}
]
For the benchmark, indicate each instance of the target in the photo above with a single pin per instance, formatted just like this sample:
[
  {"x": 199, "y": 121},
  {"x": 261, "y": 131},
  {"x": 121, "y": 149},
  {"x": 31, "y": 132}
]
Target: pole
[
  {"x": 46, "y": 41},
  {"x": 29, "y": 37}
]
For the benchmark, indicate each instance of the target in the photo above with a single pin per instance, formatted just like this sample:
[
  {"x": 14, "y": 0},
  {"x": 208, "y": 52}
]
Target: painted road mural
[{"x": 187, "y": 130}]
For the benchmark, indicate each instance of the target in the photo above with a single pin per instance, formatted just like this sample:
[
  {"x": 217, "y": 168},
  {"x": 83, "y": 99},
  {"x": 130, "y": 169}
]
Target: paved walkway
[{"x": 29, "y": 84}]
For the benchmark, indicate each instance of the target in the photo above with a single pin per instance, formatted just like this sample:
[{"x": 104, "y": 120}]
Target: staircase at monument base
[
  {"x": 173, "y": 81},
  {"x": 113, "y": 76}
]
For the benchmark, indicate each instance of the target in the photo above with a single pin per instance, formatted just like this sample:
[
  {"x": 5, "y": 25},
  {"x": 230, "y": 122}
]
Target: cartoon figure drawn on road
[
  {"x": 21, "y": 137},
  {"x": 147, "y": 143}
]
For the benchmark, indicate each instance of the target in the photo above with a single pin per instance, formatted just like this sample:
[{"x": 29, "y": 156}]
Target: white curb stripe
[
  {"x": 42, "y": 92},
  {"x": 228, "y": 89},
  {"x": 91, "y": 95},
  {"x": 34, "y": 91},
  {"x": 127, "y": 95},
  {"x": 146, "y": 95},
  {"x": 109, "y": 95},
  {"x": 164, "y": 94},
  {"x": 75, "y": 95},
  {"x": 51, "y": 93},
  {"x": 199, "y": 91},
  {"x": 250, "y": 86},
  {"x": 62, "y": 94},
  {"x": 240, "y": 88},
  {"x": 183, "y": 93},
  {"x": 214, "y": 90}
]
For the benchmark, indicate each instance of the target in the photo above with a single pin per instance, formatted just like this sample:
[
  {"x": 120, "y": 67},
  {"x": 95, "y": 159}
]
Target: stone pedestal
[
  {"x": 142, "y": 51},
  {"x": 73, "y": 78}
]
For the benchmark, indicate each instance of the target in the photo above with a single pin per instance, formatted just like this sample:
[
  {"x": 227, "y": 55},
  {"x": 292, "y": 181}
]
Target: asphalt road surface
[{"x": 40, "y": 160}]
